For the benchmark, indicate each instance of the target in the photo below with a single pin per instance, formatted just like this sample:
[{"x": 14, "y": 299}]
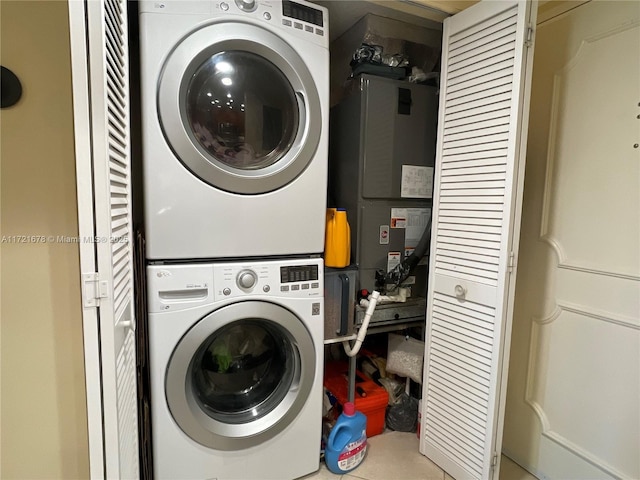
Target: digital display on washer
[
  {"x": 298, "y": 273},
  {"x": 302, "y": 12}
]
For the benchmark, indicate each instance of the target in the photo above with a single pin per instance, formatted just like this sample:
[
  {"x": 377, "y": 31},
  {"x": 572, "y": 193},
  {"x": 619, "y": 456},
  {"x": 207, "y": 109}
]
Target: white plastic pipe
[
  {"x": 400, "y": 297},
  {"x": 353, "y": 351}
]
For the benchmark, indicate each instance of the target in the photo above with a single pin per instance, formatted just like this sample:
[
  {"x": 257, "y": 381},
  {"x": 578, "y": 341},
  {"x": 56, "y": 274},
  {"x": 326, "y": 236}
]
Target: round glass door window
[
  {"x": 239, "y": 108},
  {"x": 243, "y": 371},
  {"x": 240, "y": 375},
  {"x": 242, "y": 110}
]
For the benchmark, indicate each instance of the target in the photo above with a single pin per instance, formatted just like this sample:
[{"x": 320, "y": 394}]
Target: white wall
[{"x": 44, "y": 426}]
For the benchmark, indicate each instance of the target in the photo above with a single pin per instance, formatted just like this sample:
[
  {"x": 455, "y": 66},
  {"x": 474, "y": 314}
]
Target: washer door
[
  {"x": 239, "y": 108},
  {"x": 240, "y": 375}
]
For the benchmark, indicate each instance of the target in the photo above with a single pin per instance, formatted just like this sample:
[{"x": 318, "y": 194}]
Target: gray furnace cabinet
[{"x": 382, "y": 152}]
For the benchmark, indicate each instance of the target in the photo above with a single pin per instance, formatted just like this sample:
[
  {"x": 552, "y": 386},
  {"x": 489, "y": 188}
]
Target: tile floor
[{"x": 395, "y": 456}]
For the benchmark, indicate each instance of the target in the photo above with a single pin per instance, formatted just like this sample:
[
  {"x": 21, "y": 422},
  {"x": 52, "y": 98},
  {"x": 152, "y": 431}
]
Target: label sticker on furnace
[
  {"x": 384, "y": 235},
  {"x": 417, "y": 182},
  {"x": 393, "y": 260}
]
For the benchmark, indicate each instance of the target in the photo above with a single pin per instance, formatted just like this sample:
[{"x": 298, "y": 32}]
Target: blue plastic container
[{"x": 347, "y": 442}]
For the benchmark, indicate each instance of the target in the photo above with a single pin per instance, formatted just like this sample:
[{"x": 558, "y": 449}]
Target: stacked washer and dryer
[{"x": 235, "y": 100}]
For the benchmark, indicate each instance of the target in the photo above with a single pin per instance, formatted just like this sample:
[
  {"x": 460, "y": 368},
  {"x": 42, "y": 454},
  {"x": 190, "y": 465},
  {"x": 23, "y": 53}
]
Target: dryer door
[
  {"x": 240, "y": 375},
  {"x": 239, "y": 108}
]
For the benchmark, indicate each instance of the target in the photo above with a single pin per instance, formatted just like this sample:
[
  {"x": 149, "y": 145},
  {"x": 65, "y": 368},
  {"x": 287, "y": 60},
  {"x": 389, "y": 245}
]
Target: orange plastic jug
[{"x": 337, "y": 243}]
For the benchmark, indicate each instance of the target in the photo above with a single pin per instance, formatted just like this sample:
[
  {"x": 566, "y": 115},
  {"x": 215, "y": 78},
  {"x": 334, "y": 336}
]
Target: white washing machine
[
  {"x": 235, "y": 99},
  {"x": 236, "y": 361}
]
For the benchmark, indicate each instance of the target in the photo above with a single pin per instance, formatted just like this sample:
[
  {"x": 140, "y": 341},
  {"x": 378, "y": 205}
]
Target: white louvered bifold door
[
  {"x": 110, "y": 117},
  {"x": 486, "y": 63}
]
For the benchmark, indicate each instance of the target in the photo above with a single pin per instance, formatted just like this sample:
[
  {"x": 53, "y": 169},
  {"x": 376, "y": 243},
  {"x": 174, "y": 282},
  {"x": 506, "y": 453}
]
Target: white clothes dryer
[
  {"x": 236, "y": 361},
  {"x": 235, "y": 98}
]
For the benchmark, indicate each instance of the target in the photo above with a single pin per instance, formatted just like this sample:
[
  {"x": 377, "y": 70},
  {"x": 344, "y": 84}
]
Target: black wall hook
[{"x": 11, "y": 88}]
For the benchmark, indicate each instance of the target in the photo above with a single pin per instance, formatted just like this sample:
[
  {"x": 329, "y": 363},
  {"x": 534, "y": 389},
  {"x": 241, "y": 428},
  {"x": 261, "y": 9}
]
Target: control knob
[
  {"x": 246, "y": 5},
  {"x": 246, "y": 279}
]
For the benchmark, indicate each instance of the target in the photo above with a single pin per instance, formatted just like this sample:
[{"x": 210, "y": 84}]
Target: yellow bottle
[{"x": 337, "y": 244}]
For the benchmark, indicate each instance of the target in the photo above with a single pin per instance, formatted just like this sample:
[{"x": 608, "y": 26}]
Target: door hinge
[
  {"x": 494, "y": 460},
  {"x": 93, "y": 289},
  {"x": 510, "y": 263},
  {"x": 529, "y": 40}
]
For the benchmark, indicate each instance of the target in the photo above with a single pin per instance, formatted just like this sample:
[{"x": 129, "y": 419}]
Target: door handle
[{"x": 461, "y": 292}]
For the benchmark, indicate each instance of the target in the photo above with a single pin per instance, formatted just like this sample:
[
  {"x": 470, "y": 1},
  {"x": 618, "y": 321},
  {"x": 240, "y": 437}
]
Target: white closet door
[
  {"x": 110, "y": 141},
  {"x": 485, "y": 83}
]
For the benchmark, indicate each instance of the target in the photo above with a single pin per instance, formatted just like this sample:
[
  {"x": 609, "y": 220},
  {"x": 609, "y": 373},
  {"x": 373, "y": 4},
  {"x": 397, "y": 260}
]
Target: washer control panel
[
  {"x": 290, "y": 278},
  {"x": 181, "y": 287}
]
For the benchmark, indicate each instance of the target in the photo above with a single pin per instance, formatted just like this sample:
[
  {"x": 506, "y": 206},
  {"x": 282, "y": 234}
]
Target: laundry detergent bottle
[
  {"x": 337, "y": 245},
  {"x": 347, "y": 442}
]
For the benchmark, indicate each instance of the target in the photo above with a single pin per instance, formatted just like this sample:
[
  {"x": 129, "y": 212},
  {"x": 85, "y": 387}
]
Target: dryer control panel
[{"x": 300, "y": 18}]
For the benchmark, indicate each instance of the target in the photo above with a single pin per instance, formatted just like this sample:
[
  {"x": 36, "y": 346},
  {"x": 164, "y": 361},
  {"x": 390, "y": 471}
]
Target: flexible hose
[
  {"x": 402, "y": 271},
  {"x": 353, "y": 351}
]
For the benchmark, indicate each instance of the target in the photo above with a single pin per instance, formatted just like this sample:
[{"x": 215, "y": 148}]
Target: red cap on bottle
[{"x": 349, "y": 409}]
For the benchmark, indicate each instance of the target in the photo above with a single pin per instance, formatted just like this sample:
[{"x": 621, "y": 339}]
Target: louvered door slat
[
  {"x": 461, "y": 423},
  {"x": 485, "y": 95},
  {"x": 488, "y": 188},
  {"x": 493, "y": 185},
  {"x": 481, "y": 386},
  {"x": 473, "y": 83},
  {"x": 442, "y": 380},
  {"x": 482, "y": 29},
  {"x": 447, "y": 344},
  {"x": 461, "y": 149},
  {"x": 465, "y": 364},
  {"x": 468, "y": 109},
  {"x": 480, "y": 67},
  {"x": 464, "y": 324},
  {"x": 475, "y": 163},
  {"x": 461, "y": 120},
  {"x": 113, "y": 52},
  {"x": 487, "y": 175},
  {"x": 118, "y": 171},
  {"x": 461, "y": 196},
  {"x": 110, "y": 105},
  {"x": 457, "y": 411},
  {"x": 127, "y": 410},
  {"x": 463, "y": 218},
  {"x": 118, "y": 141},
  {"x": 455, "y": 264},
  {"x": 481, "y": 134},
  {"x": 456, "y": 436},
  {"x": 121, "y": 234},
  {"x": 464, "y": 256},
  {"x": 468, "y": 439},
  {"x": 480, "y": 74},
  {"x": 446, "y": 438},
  {"x": 467, "y": 233},
  {"x": 501, "y": 47},
  {"x": 117, "y": 118},
  {"x": 492, "y": 122},
  {"x": 480, "y": 227},
  {"x": 482, "y": 83},
  {"x": 484, "y": 47}
]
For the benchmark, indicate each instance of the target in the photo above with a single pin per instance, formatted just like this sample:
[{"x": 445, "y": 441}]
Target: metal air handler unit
[{"x": 382, "y": 153}]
